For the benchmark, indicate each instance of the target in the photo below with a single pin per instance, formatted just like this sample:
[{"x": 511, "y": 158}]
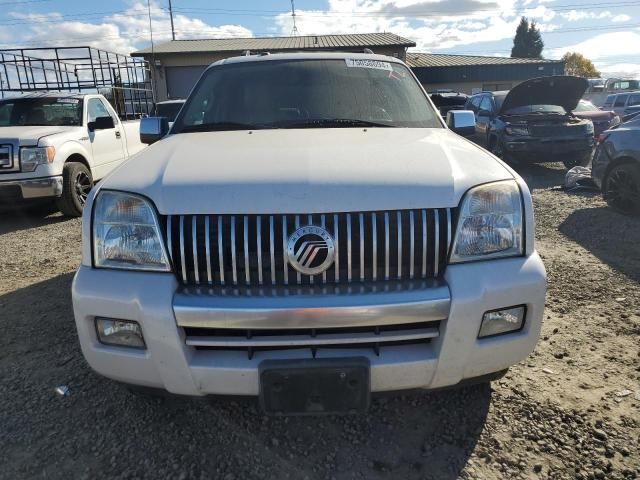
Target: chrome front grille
[
  {"x": 372, "y": 338},
  {"x": 6, "y": 158},
  {"x": 250, "y": 250}
]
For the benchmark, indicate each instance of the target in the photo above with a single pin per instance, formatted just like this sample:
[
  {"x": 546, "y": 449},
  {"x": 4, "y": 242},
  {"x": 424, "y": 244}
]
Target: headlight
[
  {"x": 489, "y": 224},
  {"x": 518, "y": 130},
  {"x": 31, "y": 157},
  {"x": 126, "y": 233}
]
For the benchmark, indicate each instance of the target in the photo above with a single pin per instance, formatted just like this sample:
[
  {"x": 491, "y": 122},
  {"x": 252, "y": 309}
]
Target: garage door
[{"x": 180, "y": 80}]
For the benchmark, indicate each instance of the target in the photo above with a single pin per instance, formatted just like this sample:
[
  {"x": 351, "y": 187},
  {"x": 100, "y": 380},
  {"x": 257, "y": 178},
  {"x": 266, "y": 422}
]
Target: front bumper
[
  {"x": 544, "y": 148},
  {"x": 169, "y": 363},
  {"x": 31, "y": 188}
]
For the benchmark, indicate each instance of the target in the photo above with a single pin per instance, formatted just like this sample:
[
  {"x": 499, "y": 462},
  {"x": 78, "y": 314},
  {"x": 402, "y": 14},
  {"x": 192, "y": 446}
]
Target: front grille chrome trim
[
  {"x": 401, "y": 303},
  {"x": 368, "y": 247},
  {"x": 319, "y": 339}
]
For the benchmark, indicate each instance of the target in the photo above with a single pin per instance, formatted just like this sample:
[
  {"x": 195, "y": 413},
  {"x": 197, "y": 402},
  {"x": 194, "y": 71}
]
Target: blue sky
[{"x": 607, "y": 31}]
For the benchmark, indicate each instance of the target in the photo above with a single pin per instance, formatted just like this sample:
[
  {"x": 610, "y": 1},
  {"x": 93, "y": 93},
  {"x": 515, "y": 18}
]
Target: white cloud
[
  {"x": 432, "y": 24},
  {"x": 121, "y": 33},
  {"x": 577, "y": 15},
  {"x": 623, "y": 17},
  {"x": 604, "y": 46}
]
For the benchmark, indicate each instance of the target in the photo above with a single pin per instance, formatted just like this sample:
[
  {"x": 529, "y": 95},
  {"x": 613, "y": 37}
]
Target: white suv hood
[{"x": 307, "y": 171}]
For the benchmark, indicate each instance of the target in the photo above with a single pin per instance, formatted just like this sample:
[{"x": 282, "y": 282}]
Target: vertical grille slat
[
  {"x": 259, "y": 247},
  {"x": 323, "y": 224},
  {"x": 272, "y": 252},
  {"x": 425, "y": 241},
  {"x": 234, "y": 269},
  {"x": 207, "y": 242},
  {"x": 220, "y": 251},
  {"x": 386, "y": 245},
  {"x": 245, "y": 232},
  {"x": 374, "y": 236},
  {"x": 298, "y": 274},
  {"x": 170, "y": 239},
  {"x": 436, "y": 237},
  {"x": 361, "y": 218},
  {"x": 183, "y": 263},
  {"x": 284, "y": 250},
  {"x": 252, "y": 249},
  {"x": 349, "y": 261},
  {"x": 412, "y": 245},
  {"x": 194, "y": 247},
  {"x": 337, "y": 243},
  {"x": 399, "y": 227}
]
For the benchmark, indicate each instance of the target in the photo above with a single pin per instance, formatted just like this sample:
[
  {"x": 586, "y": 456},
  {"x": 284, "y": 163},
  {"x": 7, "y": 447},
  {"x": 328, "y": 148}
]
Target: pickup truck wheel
[
  {"x": 622, "y": 188},
  {"x": 77, "y": 182}
]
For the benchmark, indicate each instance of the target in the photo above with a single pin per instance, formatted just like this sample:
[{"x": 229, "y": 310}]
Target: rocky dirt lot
[{"x": 571, "y": 410}]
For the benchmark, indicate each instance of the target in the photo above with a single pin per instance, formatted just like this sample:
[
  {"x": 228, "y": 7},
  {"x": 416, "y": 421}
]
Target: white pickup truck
[
  {"x": 308, "y": 232},
  {"x": 56, "y": 145}
]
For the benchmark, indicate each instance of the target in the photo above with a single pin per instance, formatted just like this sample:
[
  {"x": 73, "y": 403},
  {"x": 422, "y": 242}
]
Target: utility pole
[
  {"x": 173, "y": 32},
  {"x": 293, "y": 15}
]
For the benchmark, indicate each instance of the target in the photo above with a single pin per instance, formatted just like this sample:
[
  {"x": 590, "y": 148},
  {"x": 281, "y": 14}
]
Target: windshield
[
  {"x": 584, "y": 106},
  {"x": 527, "y": 109},
  {"x": 306, "y": 94},
  {"x": 499, "y": 99},
  {"x": 53, "y": 111},
  {"x": 169, "y": 110}
]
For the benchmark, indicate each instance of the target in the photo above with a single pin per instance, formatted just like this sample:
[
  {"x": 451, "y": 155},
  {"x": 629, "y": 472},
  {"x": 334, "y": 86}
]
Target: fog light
[
  {"x": 123, "y": 333},
  {"x": 502, "y": 321}
]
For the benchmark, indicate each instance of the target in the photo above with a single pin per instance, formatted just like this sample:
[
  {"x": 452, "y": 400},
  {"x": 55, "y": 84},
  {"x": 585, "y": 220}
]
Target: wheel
[
  {"x": 582, "y": 160},
  {"x": 621, "y": 188},
  {"x": 76, "y": 185}
]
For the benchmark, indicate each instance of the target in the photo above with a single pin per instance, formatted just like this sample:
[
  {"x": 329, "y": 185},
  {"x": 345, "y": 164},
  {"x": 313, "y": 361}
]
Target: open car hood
[{"x": 561, "y": 90}]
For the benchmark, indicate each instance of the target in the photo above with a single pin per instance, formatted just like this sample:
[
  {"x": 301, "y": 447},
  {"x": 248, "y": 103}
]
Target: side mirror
[
  {"x": 462, "y": 122},
  {"x": 153, "y": 129},
  {"x": 101, "y": 123}
]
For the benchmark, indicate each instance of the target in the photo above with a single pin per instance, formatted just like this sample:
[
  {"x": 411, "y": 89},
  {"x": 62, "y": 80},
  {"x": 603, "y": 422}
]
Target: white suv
[{"x": 308, "y": 232}]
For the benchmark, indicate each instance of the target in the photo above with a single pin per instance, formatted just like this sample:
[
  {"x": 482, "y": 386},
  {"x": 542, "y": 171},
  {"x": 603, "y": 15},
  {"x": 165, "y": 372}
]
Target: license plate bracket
[{"x": 315, "y": 386}]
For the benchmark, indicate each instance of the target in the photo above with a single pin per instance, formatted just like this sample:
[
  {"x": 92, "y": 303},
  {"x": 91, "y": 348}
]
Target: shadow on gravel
[
  {"x": 541, "y": 175},
  {"x": 610, "y": 236},
  {"x": 13, "y": 219},
  {"x": 100, "y": 430}
]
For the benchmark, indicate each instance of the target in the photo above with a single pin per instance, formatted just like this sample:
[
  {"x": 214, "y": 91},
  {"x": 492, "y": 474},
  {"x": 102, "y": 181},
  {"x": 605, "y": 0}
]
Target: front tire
[
  {"x": 621, "y": 188},
  {"x": 76, "y": 184}
]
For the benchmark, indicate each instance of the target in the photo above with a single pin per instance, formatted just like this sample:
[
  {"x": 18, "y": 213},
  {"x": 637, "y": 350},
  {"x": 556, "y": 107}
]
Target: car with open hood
[
  {"x": 308, "y": 232},
  {"x": 534, "y": 122}
]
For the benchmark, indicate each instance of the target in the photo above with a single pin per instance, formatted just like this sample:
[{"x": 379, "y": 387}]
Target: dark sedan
[{"x": 616, "y": 166}]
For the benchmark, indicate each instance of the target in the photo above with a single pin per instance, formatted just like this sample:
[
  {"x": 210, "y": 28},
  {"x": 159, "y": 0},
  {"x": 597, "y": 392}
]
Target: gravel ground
[{"x": 571, "y": 410}]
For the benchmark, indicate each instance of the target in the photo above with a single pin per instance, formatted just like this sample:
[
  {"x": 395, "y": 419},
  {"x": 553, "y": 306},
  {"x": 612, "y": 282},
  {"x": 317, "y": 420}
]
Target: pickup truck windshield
[
  {"x": 322, "y": 93},
  {"x": 57, "y": 111}
]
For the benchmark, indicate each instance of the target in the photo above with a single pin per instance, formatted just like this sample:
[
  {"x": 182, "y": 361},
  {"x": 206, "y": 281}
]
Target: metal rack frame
[{"x": 125, "y": 81}]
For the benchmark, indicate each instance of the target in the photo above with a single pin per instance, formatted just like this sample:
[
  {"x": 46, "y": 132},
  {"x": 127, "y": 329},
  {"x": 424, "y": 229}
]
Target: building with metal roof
[
  {"x": 474, "y": 73},
  {"x": 177, "y": 64}
]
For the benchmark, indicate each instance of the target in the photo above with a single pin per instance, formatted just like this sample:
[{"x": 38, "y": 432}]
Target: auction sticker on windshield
[{"x": 360, "y": 63}]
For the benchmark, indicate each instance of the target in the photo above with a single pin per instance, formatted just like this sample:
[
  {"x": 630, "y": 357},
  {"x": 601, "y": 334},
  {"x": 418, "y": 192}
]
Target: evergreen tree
[
  {"x": 527, "y": 42},
  {"x": 519, "y": 49},
  {"x": 535, "y": 44}
]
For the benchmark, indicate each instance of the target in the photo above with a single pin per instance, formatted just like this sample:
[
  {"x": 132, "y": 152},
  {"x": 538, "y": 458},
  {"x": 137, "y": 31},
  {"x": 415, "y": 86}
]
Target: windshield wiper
[
  {"x": 222, "y": 126},
  {"x": 330, "y": 122}
]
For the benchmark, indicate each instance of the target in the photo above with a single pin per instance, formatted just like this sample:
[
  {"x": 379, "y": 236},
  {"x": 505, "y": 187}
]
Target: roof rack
[{"x": 125, "y": 81}]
